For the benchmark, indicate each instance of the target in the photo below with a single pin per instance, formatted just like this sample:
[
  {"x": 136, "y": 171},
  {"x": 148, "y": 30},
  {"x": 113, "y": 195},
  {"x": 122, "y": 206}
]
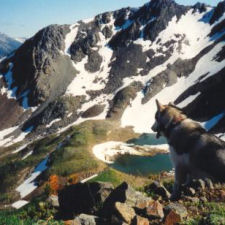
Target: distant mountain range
[{"x": 8, "y": 44}]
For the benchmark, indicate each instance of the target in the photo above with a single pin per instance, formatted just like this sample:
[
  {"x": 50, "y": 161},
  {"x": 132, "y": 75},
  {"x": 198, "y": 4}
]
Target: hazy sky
[{"x": 23, "y": 18}]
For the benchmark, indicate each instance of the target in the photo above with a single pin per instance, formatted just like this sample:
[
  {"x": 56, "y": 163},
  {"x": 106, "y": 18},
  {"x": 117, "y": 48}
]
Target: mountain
[
  {"x": 112, "y": 68},
  {"x": 7, "y": 44}
]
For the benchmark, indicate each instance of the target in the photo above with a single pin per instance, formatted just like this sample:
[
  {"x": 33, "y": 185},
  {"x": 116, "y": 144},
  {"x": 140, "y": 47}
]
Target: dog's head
[{"x": 165, "y": 117}]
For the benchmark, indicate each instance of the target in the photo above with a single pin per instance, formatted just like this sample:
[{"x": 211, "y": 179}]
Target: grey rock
[
  {"x": 122, "y": 100},
  {"x": 209, "y": 183},
  {"x": 155, "y": 210},
  {"x": 125, "y": 212},
  {"x": 177, "y": 208},
  {"x": 124, "y": 194},
  {"x": 198, "y": 184},
  {"x": 93, "y": 111},
  {"x": 192, "y": 199},
  {"x": 107, "y": 32},
  {"x": 203, "y": 199},
  {"x": 54, "y": 201},
  {"x": 159, "y": 189},
  {"x": 94, "y": 62},
  {"x": 84, "y": 219},
  {"x": 190, "y": 191}
]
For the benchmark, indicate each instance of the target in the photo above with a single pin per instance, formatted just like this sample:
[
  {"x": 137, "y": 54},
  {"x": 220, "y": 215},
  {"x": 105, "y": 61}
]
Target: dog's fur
[{"x": 195, "y": 153}]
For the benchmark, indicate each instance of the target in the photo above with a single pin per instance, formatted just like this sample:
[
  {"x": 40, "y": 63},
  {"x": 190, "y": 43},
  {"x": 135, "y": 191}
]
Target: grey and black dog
[{"x": 195, "y": 153}]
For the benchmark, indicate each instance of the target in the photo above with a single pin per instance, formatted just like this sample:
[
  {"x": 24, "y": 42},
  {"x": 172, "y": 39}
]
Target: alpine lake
[{"x": 144, "y": 165}]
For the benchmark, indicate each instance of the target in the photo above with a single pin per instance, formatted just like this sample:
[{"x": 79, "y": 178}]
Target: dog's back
[{"x": 205, "y": 152}]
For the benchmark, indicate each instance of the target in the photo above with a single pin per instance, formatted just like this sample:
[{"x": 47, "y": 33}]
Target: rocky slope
[
  {"x": 123, "y": 205},
  {"x": 111, "y": 67},
  {"x": 7, "y": 45}
]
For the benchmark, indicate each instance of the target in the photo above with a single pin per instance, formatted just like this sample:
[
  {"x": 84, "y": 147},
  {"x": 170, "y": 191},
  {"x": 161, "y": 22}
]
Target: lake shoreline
[{"x": 108, "y": 152}]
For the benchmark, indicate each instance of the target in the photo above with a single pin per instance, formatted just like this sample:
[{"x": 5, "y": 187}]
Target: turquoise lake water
[{"x": 144, "y": 165}]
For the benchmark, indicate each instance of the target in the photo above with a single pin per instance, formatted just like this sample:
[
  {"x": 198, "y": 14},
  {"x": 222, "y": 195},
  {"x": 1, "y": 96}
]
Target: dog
[{"x": 195, "y": 153}]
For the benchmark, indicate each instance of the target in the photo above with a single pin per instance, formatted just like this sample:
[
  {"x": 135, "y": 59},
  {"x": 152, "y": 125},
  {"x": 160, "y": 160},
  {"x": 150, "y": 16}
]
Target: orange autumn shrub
[{"x": 55, "y": 183}]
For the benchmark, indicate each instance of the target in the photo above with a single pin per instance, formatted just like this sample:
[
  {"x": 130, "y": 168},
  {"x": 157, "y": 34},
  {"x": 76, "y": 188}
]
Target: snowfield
[
  {"x": 109, "y": 150},
  {"x": 146, "y": 112}
]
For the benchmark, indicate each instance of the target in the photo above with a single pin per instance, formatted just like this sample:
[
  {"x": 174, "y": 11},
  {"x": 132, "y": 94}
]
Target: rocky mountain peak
[
  {"x": 218, "y": 12},
  {"x": 161, "y": 3}
]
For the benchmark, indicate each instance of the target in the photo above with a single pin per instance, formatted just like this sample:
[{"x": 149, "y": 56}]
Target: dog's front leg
[{"x": 180, "y": 178}]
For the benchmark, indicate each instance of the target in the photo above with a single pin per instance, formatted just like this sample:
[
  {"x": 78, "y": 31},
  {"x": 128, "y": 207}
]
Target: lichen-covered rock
[
  {"x": 138, "y": 220},
  {"x": 155, "y": 210},
  {"x": 124, "y": 211},
  {"x": 177, "y": 208}
]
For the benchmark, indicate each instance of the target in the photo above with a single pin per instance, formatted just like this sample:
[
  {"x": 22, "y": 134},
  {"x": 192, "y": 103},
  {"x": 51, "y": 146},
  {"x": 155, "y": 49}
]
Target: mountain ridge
[{"x": 100, "y": 51}]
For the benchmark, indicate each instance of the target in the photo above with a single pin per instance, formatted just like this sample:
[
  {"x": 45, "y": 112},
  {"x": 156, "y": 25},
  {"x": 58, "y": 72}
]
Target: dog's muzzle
[{"x": 156, "y": 129}]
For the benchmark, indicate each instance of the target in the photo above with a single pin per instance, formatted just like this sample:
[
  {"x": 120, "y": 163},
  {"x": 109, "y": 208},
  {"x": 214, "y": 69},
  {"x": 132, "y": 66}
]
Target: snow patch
[
  {"x": 27, "y": 155},
  {"x": 89, "y": 178},
  {"x": 70, "y": 37},
  {"x": 19, "y": 204},
  {"x": 29, "y": 185},
  {"x": 52, "y": 122}
]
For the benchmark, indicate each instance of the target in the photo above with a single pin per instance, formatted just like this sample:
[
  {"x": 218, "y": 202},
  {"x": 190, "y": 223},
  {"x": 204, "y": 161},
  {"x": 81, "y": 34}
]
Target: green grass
[
  {"x": 209, "y": 213},
  {"x": 109, "y": 175},
  {"x": 38, "y": 212},
  {"x": 76, "y": 155}
]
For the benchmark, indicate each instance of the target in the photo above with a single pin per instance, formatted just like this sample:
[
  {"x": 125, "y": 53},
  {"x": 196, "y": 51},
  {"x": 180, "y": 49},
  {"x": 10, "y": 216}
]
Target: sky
[{"x": 23, "y": 18}]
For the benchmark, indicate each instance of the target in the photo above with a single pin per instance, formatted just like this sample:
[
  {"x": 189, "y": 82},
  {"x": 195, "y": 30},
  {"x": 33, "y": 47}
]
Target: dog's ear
[{"x": 160, "y": 107}]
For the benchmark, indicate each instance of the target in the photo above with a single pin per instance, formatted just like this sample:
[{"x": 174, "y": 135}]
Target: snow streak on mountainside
[{"x": 115, "y": 66}]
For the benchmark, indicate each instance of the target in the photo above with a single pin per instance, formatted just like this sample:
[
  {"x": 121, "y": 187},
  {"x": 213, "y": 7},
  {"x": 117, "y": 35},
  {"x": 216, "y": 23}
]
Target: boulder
[
  {"x": 54, "y": 201},
  {"x": 124, "y": 194},
  {"x": 172, "y": 218},
  {"x": 138, "y": 220},
  {"x": 83, "y": 198},
  {"x": 84, "y": 219},
  {"x": 125, "y": 212},
  {"x": 159, "y": 189},
  {"x": 177, "y": 208},
  {"x": 155, "y": 210},
  {"x": 143, "y": 203}
]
